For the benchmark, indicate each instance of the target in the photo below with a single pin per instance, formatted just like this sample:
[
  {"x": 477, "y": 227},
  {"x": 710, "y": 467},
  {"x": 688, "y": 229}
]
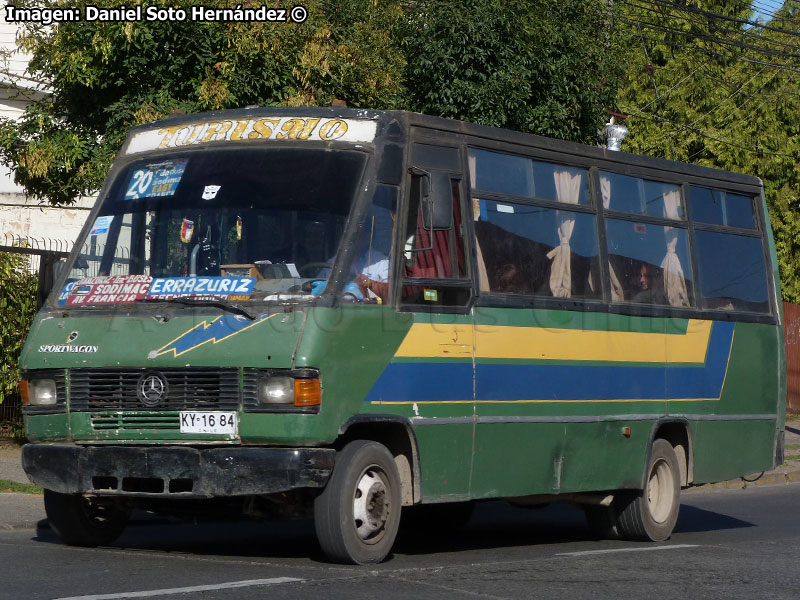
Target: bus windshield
[{"x": 236, "y": 224}]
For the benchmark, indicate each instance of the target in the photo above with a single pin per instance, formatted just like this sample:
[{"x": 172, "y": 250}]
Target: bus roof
[{"x": 491, "y": 134}]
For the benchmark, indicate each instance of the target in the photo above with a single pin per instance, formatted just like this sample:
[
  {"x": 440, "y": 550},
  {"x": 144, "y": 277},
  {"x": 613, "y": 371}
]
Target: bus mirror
[{"x": 436, "y": 193}]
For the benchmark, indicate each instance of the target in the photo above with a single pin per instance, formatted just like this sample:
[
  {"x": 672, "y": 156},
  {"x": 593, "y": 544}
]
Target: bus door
[{"x": 436, "y": 288}]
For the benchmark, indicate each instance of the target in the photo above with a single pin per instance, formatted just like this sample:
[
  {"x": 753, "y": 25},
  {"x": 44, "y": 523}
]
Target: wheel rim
[
  {"x": 660, "y": 491},
  {"x": 371, "y": 505}
]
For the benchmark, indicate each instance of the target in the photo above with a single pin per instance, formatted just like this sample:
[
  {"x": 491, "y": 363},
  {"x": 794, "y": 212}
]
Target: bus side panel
[
  {"x": 730, "y": 449},
  {"x": 751, "y": 382},
  {"x": 446, "y": 458},
  {"x": 430, "y": 379},
  {"x": 742, "y": 441},
  {"x": 601, "y": 456},
  {"x": 416, "y": 367},
  {"x": 553, "y": 391},
  {"x": 352, "y": 346}
]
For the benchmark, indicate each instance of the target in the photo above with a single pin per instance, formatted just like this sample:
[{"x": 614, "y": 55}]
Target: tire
[
  {"x": 650, "y": 515},
  {"x": 358, "y": 513},
  {"x": 81, "y": 521},
  {"x": 603, "y": 522}
]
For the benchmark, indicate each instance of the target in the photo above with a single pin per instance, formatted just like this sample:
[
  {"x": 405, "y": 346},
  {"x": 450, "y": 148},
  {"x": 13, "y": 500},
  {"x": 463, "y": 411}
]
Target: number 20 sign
[{"x": 140, "y": 185}]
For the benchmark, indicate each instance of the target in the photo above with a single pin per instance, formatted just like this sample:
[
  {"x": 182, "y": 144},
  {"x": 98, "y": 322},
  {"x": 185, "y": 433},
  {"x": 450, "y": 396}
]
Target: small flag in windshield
[{"x": 187, "y": 231}]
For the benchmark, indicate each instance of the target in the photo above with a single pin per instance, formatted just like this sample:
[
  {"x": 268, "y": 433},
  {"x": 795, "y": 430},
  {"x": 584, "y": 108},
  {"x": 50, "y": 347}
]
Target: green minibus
[{"x": 340, "y": 313}]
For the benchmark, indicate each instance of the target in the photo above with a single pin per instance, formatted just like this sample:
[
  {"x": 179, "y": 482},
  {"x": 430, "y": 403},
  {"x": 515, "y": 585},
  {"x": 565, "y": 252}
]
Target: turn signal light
[
  {"x": 23, "y": 388},
  {"x": 307, "y": 392}
]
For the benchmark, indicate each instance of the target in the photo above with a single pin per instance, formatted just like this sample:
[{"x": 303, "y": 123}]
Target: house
[{"x": 41, "y": 225}]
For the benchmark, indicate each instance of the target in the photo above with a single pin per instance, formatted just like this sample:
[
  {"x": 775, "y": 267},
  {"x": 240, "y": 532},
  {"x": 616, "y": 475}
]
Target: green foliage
[
  {"x": 544, "y": 66},
  {"x": 108, "y": 77},
  {"x": 537, "y": 66},
  {"x": 694, "y": 95},
  {"x": 17, "y": 308}
]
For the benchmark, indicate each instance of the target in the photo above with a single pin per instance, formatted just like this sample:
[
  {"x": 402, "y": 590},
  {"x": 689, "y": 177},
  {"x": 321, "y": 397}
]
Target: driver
[{"x": 374, "y": 279}]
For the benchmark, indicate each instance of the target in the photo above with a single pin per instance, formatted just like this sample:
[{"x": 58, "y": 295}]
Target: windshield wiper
[{"x": 219, "y": 303}]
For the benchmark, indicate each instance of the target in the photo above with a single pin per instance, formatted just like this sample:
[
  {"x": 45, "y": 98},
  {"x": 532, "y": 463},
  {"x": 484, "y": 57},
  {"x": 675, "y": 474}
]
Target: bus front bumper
[{"x": 175, "y": 471}]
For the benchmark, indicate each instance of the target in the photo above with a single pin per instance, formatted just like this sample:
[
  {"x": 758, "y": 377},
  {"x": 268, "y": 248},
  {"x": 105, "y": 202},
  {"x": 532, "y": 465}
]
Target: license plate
[{"x": 208, "y": 422}]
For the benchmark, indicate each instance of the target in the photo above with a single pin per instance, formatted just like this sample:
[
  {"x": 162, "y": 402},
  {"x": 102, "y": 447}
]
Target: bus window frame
[
  {"x": 329, "y": 298},
  {"x": 613, "y": 162},
  {"x": 468, "y": 281}
]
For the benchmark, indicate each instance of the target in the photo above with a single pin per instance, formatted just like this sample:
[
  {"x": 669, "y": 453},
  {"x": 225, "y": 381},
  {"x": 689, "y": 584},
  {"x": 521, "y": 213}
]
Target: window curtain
[
  {"x": 483, "y": 277},
  {"x": 568, "y": 187},
  {"x": 617, "y": 295},
  {"x": 674, "y": 281}
]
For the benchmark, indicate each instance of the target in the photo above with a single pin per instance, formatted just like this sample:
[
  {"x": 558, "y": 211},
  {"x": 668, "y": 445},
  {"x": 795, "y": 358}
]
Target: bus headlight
[
  {"x": 42, "y": 392},
  {"x": 299, "y": 391},
  {"x": 276, "y": 390}
]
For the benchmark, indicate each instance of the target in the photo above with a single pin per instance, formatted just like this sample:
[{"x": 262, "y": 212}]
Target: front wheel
[
  {"x": 357, "y": 515},
  {"x": 81, "y": 521},
  {"x": 651, "y": 514}
]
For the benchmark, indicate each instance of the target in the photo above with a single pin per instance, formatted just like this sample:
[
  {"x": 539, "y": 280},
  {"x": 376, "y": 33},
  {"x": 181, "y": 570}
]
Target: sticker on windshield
[
  {"x": 210, "y": 192},
  {"x": 101, "y": 225},
  {"x": 238, "y": 288},
  {"x": 113, "y": 289},
  {"x": 156, "y": 180},
  {"x": 62, "y": 297}
]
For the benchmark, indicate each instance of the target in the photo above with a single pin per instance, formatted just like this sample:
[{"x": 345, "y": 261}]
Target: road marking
[
  {"x": 613, "y": 550},
  {"x": 185, "y": 590}
]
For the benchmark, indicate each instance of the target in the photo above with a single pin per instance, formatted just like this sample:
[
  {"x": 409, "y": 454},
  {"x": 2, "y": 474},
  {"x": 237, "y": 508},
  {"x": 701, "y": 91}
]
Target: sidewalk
[
  {"x": 17, "y": 511},
  {"x": 25, "y": 511}
]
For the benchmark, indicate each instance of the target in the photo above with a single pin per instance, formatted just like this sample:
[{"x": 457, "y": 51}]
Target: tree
[
  {"x": 17, "y": 308},
  {"x": 537, "y": 66},
  {"x": 546, "y": 67},
  {"x": 703, "y": 85}
]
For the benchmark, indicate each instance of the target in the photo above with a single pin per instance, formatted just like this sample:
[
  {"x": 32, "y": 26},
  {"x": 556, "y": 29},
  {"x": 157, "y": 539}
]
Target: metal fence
[{"x": 39, "y": 258}]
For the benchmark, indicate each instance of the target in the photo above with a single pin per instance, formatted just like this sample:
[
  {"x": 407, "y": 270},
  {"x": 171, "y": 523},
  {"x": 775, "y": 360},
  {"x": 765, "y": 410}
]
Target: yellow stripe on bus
[
  {"x": 548, "y": 401},
  {"x": 431, "y": 340}
]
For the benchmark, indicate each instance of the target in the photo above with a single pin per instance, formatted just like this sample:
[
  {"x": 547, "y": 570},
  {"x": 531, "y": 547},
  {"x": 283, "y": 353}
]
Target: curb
[{"x": 774, "y": 477}]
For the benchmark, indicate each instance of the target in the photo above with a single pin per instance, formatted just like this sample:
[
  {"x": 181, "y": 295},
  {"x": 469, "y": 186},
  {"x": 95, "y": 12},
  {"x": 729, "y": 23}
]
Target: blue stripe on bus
[{"x": 447, "y": 382}]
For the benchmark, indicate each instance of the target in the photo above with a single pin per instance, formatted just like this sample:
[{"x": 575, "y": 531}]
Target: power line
[
  {"x": 712, "y": 39},
  {"x": 717, "y": 54},
  {"x": 735, "y": 143},
  {"x": 709, "y": 13},
  {"x": 673, "y": 87},
  {"x": 717, "y": 106},
  {"x": 661, "y": 12}
]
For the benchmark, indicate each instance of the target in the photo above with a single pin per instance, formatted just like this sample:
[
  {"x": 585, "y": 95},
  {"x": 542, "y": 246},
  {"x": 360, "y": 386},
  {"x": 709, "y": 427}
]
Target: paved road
[{"x": 729, "y": 543}]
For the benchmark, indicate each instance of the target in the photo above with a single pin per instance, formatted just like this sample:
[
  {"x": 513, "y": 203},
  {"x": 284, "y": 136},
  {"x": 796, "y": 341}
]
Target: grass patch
[{"x": 19, "y": 488}]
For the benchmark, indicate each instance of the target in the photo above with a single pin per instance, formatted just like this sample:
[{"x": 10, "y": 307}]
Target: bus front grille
[
  {"x": 135, "y": 422},
  {"x": 184, "y": 389}
]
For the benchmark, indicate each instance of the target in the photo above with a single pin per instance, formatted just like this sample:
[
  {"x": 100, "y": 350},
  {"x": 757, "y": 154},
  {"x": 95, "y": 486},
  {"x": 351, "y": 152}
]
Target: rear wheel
[
  {"x": 651, "y": 514},
  {"x": 81, "y": 521},
  {"x": 357, "y": 515}
]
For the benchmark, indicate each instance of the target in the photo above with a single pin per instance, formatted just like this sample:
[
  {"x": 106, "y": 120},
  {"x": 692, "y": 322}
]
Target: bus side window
[
  {"x": 648, "y": 263},
  {"x": 519, "y": 244},
  {"x": 432, "y": 252},
  {"x": 524, "y": 246},
  {"x": 726, "y": 284}
]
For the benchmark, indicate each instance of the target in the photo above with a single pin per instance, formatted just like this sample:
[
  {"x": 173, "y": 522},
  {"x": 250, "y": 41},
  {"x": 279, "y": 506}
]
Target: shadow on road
[
  {"x": 493, "y": 525},
  {"x": 695, "y": 520}
]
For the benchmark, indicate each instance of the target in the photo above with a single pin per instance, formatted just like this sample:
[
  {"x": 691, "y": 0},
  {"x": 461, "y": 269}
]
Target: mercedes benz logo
[{"x": 151, "y": 389}]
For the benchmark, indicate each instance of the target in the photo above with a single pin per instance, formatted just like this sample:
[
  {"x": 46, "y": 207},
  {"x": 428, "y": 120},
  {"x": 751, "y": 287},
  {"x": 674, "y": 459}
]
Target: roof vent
[{"x": 614, "y": 133}]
